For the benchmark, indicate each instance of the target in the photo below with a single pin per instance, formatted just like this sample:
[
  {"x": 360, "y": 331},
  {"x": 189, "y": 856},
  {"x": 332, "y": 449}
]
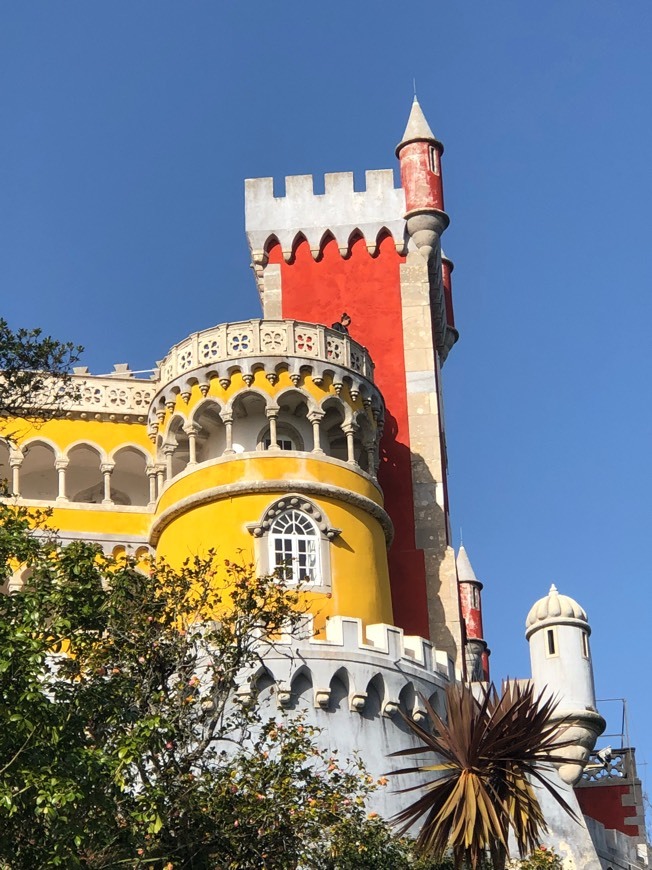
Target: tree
[
  {"x": 121, "y": 744},
  {"x": 492, "y": 748},
  {"x": 36, "y": 379}
]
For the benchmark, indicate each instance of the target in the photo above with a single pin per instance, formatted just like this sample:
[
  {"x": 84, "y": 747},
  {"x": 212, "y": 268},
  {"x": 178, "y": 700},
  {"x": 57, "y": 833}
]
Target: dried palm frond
[{"x": 491, "y": 750}]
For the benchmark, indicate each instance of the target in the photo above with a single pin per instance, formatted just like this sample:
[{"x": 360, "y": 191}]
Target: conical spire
[
  {"x": 465, "y": 572},
  {"x": 417, "y": 128}
]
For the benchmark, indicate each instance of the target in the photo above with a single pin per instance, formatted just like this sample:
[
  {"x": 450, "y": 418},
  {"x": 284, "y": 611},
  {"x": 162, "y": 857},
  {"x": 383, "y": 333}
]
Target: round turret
[
  {"x": 419, "y": 154},
  {"x": 555, "y": 608},
  {"x": 476, "y": 651},
  {"x": 558, "y": 631}
]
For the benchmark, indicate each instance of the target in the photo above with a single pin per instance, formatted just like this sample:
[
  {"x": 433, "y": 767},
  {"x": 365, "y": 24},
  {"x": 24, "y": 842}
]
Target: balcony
[{"x": 266, "y": 338}]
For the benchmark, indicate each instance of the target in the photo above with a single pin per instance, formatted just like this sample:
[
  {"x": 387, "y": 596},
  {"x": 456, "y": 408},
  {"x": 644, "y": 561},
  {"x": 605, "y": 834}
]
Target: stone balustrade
[
  {"x": 275, "y": 338},
  {"x": 117, "y": 396},
  {"x": 121, "y": 396},
  {"x": 615, "y": 766},
  {"x": 111, "y": 397}
]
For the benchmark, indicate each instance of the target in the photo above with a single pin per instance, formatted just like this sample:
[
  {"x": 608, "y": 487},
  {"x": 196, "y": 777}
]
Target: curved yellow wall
[
  {"x": 210, "y": 506},
  {"x": 200, "y": 511}
]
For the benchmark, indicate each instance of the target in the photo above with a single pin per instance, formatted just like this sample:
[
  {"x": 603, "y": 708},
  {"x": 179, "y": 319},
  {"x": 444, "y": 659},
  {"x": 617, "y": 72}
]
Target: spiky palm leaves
[{"x": 492, "y": 748}]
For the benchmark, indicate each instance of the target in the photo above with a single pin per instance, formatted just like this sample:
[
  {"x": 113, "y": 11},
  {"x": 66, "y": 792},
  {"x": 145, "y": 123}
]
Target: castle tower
[
  {"x": 476, "y": 653},
  {"x": 375, "y": 253},
  {"x": 558, "y": 632}
]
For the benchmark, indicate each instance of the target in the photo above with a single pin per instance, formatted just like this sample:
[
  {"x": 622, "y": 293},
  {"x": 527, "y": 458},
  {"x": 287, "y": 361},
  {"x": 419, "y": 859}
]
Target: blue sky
[{"x": 128, "y": 129}]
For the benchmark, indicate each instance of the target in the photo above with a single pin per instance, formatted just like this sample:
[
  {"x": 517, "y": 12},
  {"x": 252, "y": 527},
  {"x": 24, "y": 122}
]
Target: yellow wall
[
  {"x": 180, "y": 528},
  {"x": 105, "y": 434},
  {"x": 358, "y": 557}
]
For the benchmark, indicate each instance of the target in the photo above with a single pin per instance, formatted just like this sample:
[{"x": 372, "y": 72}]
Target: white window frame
[
  {"x": 294, "y": 550},
  {"x": 265, "y": 537}
]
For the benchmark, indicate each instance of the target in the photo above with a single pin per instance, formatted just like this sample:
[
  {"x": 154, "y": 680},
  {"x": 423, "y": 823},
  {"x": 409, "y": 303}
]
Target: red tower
[
  {"x": 475, "y": 646},
  {"x": 376, "y": 254}
]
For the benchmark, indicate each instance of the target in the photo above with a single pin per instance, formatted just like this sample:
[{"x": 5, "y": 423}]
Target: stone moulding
[{"x": 245, "y": 487}]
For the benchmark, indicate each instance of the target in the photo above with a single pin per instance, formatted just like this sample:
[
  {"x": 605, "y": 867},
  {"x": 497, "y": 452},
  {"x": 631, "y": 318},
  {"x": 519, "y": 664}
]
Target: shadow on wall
[{"x": 420, "y": 541}]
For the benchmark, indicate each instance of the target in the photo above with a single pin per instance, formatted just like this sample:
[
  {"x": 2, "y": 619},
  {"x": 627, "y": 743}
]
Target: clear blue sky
[{"x": 127, "y": 131}]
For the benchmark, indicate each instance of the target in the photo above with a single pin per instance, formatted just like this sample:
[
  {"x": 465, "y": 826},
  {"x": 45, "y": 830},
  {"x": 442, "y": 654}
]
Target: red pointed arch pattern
[{"x": 368, "y": 288}]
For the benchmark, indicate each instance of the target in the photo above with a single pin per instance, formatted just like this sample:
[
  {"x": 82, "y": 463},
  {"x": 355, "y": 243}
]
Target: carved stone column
[
  {"x": 315, "y": 417},
  {"x": 168, "y": 452},
  {"x": 151, "y": 476},
  {"x": 107, "y": 470},
  {"x": 191, "y": 431},
  {"x": 61, "y": 465},
  {"x": 15, "y": 461},
  {"x": 371, "y": 459},
  {"x": 272, "y": 416},
  {"x": 227, "y": 419},
  {"x": 160, "y": 477},
  {"x": 349, "y": 430}
]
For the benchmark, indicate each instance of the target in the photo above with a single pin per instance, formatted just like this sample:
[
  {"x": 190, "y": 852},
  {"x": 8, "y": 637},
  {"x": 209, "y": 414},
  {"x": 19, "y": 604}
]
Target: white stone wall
[
  {"x": 568, "y": 673},
  {"x": 340, "y": 210},
  {"x": 351, "y": 685}
]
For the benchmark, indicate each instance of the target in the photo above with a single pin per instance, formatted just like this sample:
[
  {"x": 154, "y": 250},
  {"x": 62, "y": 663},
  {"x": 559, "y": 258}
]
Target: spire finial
[
  {"x": 461, "y": 537},
  {"x": 553, "y": 588},
  {"x": 414, "y": 85},
  {"x": 418, "y": 129}
]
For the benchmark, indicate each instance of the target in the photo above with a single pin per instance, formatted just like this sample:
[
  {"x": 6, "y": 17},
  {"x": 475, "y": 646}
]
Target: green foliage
[
  {"x": 121, "y": 744},
  {"x": 542, "y": 858},
  {"x": 490, "y": 749},
  {"x": 35, "y": 373}
]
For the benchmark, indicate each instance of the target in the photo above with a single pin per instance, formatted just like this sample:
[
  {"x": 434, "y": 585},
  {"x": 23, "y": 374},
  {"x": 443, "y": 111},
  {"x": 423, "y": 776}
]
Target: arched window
[
  {"x": 294, "y": 548},
  {"x": 293, "y": 540},
  {"x": 287, "y": 438}
]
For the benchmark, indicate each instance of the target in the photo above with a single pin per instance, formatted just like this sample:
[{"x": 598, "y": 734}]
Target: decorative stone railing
[
  {"x": 100, "y": 397},
  {"x": 615, "y": 766},
  {"x": 122, "y": 396},
  {"x": 117, "y": 396},
  {"x": 249, "y": 338},
  {"x": 111, "y": 397}
]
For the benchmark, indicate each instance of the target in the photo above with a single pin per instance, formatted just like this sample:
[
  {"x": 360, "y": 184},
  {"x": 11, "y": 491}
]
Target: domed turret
[
  {"x": 558, "y": 631},
  {"x": 553, "y": 608}
]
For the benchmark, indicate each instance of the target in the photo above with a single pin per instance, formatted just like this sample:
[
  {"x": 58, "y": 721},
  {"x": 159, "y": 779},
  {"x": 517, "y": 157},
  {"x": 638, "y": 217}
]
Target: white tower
[{"x": 558, "y": 632}]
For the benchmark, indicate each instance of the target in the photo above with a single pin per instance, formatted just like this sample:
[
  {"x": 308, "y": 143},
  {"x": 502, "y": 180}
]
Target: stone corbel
[{"x": 322, "y": 698}]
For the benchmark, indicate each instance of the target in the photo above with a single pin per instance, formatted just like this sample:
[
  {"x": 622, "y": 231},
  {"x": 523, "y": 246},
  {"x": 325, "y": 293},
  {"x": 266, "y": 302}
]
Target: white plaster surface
[{"x": 339, "y": 210}]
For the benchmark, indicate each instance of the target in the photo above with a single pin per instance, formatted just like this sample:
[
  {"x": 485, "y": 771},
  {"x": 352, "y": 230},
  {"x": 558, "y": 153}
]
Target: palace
[{"x": 321, "y": 451}]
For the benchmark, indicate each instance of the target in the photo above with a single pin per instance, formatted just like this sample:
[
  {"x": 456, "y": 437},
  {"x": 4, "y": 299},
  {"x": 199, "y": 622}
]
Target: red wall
[
  {"x": 604, "y": 804},
  {"x": 368, "y": 289}
]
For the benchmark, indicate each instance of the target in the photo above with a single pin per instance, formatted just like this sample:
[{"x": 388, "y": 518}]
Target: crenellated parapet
[
  {"x": 340, "y": 212},
  {"x": 377, "y": 667}
]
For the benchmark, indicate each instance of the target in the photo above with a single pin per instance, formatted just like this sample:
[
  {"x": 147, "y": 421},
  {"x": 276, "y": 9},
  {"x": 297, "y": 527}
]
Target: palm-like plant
[{"x": 492, "y": 749}]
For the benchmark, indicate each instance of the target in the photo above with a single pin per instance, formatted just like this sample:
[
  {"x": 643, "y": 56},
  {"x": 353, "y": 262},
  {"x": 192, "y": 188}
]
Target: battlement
[
  {"x": 340, "y": 211},
  {"x": 379, "y": 660}
]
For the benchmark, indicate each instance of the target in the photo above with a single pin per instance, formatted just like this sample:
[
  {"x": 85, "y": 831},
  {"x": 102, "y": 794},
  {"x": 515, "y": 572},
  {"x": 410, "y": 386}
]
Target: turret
[
  {"x": 558, "y": 631},
  {"x": 419, "y": 154},
  {"x": 475, "y": 646}
]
